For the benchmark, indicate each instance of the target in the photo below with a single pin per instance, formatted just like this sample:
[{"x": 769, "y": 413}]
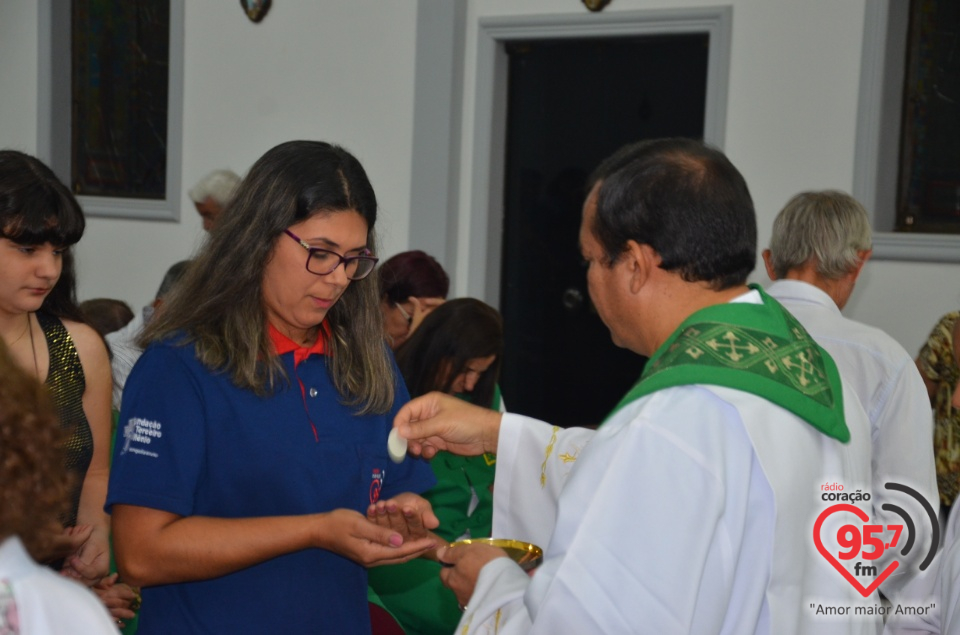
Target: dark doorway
[{"x": 571, "y": 103}]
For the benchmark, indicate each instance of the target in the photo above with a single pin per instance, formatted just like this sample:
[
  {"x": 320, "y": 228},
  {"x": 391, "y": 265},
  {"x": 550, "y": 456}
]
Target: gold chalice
[{"x": 526, "y": 554}]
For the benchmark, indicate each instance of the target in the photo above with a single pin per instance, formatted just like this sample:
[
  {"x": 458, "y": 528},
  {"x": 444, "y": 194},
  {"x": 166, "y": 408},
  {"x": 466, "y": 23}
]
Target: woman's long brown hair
[{"x": 219, "y": 307}]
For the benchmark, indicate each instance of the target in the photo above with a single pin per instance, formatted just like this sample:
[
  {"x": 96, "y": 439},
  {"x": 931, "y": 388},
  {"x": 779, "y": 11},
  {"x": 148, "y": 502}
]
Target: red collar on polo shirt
[{"x": 283, "y": 344}]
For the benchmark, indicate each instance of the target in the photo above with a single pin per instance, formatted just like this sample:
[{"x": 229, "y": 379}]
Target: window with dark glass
[
  {"x": 119, "y": 115},
  {"x": 928, "y": 198}
]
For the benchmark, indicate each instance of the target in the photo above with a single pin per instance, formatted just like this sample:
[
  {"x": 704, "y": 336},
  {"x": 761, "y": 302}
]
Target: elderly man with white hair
[
  {"x": 820, "y": 243},
  {"x": 212, "y": 194}
]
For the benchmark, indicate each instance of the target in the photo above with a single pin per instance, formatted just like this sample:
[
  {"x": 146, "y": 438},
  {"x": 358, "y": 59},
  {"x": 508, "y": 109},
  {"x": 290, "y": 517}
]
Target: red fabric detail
[
  {"x": 303, "y": 396},
  {"x": 283, "y": 344},
  {"x": 382, "y": 623}
]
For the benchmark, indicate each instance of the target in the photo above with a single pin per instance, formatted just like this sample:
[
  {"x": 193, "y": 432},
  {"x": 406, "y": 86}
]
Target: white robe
[
  {"x": 690, "y": 511},
  {"x": 936, "y": 591}
]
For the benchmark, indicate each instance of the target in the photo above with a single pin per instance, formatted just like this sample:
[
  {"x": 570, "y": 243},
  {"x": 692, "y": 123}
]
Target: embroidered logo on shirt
[
  {"x": 376, "y": 483},
  {"x": 138, "y": 433}
]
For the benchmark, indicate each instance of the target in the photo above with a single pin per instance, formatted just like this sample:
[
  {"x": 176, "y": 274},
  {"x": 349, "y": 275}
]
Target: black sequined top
[{"x": 66, "y": 384}]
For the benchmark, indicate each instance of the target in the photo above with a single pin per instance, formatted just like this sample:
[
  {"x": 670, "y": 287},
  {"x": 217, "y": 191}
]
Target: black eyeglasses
[{"x": 323, "y": 261}]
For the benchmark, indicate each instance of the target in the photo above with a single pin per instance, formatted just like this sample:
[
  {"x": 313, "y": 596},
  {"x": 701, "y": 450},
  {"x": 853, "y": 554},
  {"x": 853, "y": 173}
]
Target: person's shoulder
[
  {"x": 943, "y": 328},
  {"x": 949, "y": 318},
  {"x": 876, "y": 340},
  {"x": 166, "y": 362},
  {"x": 837, "y": 332},
  {"x": 703, "y": 425},
  {"x": 80, "y": 331},
  {"x": 946, "y": 323},
  {"x": 176, "y": 346},
  {"x": 681, "y": 410},
  {"x": 792, "y": 292},
  {"x": 88, "y": 342}
]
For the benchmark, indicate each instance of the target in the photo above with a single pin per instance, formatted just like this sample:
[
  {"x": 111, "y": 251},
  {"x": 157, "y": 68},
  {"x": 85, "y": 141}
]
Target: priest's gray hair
[
  {"x": 219, "y": 185},
  {"x": 829, "y": 227}
]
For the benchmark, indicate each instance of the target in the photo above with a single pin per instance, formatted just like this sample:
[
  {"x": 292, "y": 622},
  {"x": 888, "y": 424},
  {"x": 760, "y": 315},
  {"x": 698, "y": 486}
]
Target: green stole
[{"x": 757, "y": 348}]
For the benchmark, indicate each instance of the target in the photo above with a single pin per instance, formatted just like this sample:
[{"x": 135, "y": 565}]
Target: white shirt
[
  {"x": 125, "y": 352},
  {"x": 949, "y": 577},
  {"x": 48, "y": 603},
  {"x": 936, "y": 590},
  {"x": 690, "y": 511},
  {"x": 889, "y": 386}
]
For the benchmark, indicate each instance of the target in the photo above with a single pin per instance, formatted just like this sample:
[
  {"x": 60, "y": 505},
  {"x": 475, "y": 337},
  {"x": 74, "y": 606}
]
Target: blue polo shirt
[{"x": 190, "y": 442}]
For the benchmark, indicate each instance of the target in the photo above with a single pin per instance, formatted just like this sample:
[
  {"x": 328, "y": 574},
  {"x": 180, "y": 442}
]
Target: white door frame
[{"x": 478, "y": 243}]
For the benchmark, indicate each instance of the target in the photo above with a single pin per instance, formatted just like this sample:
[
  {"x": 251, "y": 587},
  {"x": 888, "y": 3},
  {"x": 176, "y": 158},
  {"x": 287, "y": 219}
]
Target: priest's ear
[{"x": 642, "y": 261}]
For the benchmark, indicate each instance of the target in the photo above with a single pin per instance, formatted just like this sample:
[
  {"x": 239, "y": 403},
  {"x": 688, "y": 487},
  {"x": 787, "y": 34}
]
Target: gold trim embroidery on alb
[
  {"x": 568, "y": 458},
  {"x": 549, "y": 451}
]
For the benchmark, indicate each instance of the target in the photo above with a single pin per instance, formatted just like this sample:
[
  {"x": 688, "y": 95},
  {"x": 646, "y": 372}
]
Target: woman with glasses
[
  {"x": 412, "y": 284},
  {"x": 253, "y": 430},
  {"x": 457, "y": 350}
]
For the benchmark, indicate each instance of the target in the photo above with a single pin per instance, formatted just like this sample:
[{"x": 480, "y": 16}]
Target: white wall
[
  {"x": 344, "y": 71},
  {"x": 336, "y": 71},
  {"x": 791, "y": 125},
  {"x": 18, "y": 75}
]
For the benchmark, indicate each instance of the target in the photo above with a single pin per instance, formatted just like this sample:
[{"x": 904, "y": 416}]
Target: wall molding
[
  {"x": 483, "y": 240},
  {"x": 877, "y": 151},
  {"x": 53, "y": 114}
]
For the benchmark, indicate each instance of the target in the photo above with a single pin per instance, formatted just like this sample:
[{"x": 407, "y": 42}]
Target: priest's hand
[
  {"x": 437, "y": 422},
  {"x": 462, "y": 565}
]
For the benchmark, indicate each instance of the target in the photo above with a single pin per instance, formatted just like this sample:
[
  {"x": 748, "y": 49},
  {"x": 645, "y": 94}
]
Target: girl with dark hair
[
  {"x": 412, "y": 284},
  {"x": 457, "y": 350},
  {"x": 43, "y": 328},
  {"x": 254, "y": 425}
]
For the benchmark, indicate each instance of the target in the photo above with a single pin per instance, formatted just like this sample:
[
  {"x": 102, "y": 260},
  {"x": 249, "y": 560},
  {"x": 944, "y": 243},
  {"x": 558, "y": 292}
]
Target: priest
[{"x": 692, "y": 508}]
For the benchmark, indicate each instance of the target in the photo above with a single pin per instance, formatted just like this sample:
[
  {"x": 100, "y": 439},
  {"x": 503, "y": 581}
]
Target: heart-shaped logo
[{"x": 862, "y": 515}]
